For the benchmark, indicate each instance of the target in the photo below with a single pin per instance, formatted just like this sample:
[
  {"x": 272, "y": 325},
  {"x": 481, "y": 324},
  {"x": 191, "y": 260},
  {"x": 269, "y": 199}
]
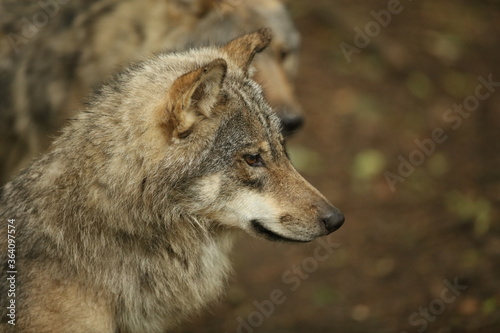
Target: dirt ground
[{"x": 402, "y": 134}]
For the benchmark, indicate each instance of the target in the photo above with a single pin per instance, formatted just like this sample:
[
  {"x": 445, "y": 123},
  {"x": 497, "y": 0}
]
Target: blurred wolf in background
[
  {"x": 126, "y": 224},
  {"x": 54, "y": 52}
]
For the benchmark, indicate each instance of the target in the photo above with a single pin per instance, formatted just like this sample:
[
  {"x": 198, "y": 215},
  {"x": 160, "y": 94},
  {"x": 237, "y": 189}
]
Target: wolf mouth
[{"x": 270, "y": 235}]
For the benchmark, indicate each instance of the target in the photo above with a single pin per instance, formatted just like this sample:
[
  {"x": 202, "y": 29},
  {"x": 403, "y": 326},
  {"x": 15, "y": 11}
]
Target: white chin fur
[{"x": 248, "y": 206}]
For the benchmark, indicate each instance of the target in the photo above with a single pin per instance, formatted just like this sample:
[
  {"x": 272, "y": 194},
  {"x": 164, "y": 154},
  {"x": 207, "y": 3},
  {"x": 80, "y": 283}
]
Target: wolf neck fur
[{"x": 111, "y": 220}]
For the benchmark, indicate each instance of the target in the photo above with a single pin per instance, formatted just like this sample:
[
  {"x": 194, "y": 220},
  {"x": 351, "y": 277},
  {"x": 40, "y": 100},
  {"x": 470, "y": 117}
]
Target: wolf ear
[
  {"x": 193, "y": 95},
  {"x": 243, "y": 49}
]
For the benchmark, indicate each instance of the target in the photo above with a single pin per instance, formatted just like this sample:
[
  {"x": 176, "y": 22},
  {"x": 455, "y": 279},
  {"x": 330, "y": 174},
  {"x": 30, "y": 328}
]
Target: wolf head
[
  {"x": 191, "y": 133},
  {"x": 244, "y": 177},
  {"x": 221, "y": 20}
]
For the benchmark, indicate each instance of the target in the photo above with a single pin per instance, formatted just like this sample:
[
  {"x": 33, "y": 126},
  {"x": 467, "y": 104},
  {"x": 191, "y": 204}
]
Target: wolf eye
[
  {"x": 254, "y": 160},
  {"x": 283, "y": 54}
]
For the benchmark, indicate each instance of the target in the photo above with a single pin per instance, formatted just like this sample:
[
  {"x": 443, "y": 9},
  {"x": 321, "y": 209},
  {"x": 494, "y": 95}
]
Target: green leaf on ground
[
  {"x": 489, "y": 306},
  {"x": 479, "y": 210},
  {"x": 325, "y": 295},
  {"x": 419, "y": 84},
  {"x": 306, "y": 160},
  {"x": 368, "y": 164},
  {"x": 437, "y": 165}
]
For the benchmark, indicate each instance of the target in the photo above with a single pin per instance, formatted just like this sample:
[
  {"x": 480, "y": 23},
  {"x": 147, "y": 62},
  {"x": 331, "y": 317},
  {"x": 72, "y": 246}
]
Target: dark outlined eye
[
  {"x": 254, "y": 160},
  {"x": 283, "y": 54}
]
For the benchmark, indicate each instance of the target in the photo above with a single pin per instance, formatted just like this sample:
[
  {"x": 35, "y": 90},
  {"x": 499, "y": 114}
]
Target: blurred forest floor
[{"x": 422, "y": 254}]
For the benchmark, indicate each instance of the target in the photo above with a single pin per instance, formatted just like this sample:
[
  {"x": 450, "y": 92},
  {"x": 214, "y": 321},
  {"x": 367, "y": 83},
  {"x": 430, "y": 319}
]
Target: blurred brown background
[{"x": 426, "y": 256}]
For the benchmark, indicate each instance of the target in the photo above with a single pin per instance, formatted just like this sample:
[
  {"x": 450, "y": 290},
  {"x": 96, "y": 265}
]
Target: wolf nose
[
  {"x": 291, "y": 122},
  {"x": 333, "y": 220}
]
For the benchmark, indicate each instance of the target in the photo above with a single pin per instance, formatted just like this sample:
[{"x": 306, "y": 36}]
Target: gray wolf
[
  {"x": 126, "y": 223},
  {"x": 54, "y": 52}
]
